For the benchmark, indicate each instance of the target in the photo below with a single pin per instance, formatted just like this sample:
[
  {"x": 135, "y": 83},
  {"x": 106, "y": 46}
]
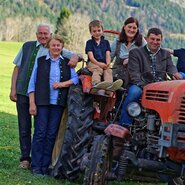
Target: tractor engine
[{"x": 167, "y": 100}]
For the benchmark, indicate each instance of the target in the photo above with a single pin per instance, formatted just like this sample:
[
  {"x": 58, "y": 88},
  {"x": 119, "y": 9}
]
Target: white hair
[{"x": 44, "y": 25}]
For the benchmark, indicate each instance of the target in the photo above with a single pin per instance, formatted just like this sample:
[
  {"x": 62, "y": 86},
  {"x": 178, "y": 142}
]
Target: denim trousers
[
  {"x": 133, "y": 95},
  {"x": 24, "y": 125},
  {"x": 46, "y": 124}
]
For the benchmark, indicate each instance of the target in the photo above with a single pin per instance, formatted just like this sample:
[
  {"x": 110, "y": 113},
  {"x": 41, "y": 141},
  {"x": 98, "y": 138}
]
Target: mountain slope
[{"x": 18, "y": 18}]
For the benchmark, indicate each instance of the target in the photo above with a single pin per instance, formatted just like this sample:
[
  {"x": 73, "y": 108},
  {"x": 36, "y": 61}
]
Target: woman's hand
[
  {"x": 33, "y": 109},
  {"x": 57, "y": 85},
  {"x": 125, "y": 62}
]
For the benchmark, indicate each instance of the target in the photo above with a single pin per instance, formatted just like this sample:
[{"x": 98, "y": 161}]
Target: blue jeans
[
  {"x": 134, "y": 94},
  {"x": 24, "y": 124},
  {"x": 46, "y": 124}
]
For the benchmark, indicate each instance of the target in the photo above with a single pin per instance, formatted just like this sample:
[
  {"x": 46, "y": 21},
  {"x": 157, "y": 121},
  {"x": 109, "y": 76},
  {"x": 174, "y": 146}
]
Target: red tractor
[{"x": 154, "y": 147}]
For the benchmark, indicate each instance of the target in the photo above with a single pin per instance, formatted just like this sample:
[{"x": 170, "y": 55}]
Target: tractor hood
[{"x": 167, "y": 98}]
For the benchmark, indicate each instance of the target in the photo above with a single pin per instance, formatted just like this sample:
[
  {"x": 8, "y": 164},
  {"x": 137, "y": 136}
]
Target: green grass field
[{"x": 10, "y": 174}]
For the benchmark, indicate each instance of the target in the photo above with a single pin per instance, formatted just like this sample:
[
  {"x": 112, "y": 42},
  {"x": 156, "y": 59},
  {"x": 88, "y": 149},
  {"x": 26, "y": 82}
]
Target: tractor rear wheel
[
  {"x": 176, "y": 181},
  {"x": 66, "y": 163}
]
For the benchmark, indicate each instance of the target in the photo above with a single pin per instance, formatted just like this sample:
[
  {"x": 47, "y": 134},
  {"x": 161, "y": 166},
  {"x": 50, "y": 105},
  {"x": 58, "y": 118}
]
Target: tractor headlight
[{"x": 134, "y": 109}]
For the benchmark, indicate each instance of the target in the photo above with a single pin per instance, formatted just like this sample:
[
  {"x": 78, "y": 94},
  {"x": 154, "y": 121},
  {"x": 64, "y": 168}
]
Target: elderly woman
[{"x": 48, "y": 90}]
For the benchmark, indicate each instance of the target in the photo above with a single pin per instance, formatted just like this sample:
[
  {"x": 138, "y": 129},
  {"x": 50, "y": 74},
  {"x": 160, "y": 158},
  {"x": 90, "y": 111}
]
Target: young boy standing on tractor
[{"x": 98, "y": 52}]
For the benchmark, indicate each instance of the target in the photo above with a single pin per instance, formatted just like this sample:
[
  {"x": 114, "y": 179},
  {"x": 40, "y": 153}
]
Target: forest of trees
[{"x": 19, "y": 18}]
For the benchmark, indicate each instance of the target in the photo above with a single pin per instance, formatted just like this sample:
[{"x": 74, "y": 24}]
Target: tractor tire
[
  {"x": 176, "y": 181},
  {"x": 66, "y": 164},
  {"x": 99, "y": 161}
]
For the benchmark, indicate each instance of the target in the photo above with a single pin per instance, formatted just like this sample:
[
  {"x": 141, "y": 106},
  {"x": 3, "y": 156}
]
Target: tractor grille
[
  {"x": 182, "y": 111},
  {"x": 163, "y": 96},
  {"x": 157, "y": 95}
]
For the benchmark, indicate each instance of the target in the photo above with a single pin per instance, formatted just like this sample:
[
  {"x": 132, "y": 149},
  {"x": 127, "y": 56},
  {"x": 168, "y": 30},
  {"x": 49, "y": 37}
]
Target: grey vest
[{"x": 25, "y": 70}]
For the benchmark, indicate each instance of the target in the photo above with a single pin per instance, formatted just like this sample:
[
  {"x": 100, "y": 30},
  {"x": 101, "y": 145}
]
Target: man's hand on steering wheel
[{"x": 177, "y": 76}]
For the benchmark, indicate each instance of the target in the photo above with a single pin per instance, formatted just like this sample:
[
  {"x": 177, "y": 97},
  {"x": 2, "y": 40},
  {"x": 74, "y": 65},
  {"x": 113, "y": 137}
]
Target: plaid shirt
[{"x": 153, "y": 59}]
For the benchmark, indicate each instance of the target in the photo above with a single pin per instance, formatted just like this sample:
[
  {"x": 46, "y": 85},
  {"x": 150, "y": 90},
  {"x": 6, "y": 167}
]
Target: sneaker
[
  {"x": 99, "y": 86},
  {"x": 115, "y": 85},
  {"x": 109, "y": 93},
  {"x": 102, "y": 85},
  {"x": 24, "y": 164},
  {"x": 101, "y": 92}
]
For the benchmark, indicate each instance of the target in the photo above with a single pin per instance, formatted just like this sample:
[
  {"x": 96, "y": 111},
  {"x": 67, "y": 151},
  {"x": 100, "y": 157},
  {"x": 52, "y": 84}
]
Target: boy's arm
[{"x": 108, "y": 58}]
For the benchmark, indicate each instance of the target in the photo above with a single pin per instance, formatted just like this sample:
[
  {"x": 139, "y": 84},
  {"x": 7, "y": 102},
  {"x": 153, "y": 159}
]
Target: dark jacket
[
  {"x": 140, "y": 62},
  {"x": 42, "y": 89}
]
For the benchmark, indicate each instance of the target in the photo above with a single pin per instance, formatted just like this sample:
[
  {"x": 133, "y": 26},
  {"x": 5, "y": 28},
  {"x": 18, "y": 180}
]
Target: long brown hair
[{"x": 137, "y": 38}]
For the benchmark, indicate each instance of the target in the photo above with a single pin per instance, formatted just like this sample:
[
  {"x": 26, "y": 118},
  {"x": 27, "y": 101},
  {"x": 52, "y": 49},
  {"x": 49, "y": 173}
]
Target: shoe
[
  {"x": 37, "y": 173},
  {"x": 115, "y": 85},
  {"x": 24, "y": 164},
  {"x": 109, "y": 93},
  {"x": 102, "y": 85},
  {"x": 45, "y": 172},
  {"x": 101, "y": 92}
]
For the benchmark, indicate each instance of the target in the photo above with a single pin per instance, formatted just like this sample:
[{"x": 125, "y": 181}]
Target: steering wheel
[{"x": 156, "y": 76}]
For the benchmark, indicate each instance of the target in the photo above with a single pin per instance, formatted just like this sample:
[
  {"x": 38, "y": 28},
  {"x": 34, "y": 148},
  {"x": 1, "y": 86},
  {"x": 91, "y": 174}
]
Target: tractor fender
[{"x": 117, "y": 131}]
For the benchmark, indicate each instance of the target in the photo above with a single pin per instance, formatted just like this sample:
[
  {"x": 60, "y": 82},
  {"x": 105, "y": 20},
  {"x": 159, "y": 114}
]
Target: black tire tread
[
  {"x": 80, "y": 111},
  {"x": 95, "y": 172}
]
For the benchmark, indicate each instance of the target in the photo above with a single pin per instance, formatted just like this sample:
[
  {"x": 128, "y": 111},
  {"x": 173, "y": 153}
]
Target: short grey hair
[{"x": 44, "y": 25}]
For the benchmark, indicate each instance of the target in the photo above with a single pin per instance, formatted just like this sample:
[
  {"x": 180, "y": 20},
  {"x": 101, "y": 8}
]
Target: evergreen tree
[{"x": 64, "y": 15}]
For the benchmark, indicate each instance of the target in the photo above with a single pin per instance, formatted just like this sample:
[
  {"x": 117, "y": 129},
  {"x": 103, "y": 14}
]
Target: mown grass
[{"x": 10, "y": 174}]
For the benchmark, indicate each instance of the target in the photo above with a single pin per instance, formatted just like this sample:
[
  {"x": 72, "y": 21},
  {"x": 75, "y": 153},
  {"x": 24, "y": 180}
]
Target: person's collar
[
  {"x": 48, "y": 57},
  {"x": 38, "y": 43},
  {"x": 102, "y": 37},
  {"x": 148, "y": 49},
  {"x": 132, "y": 43}
]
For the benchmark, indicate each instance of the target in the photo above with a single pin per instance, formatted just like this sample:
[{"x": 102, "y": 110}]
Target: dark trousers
[
  {"x": 24, "y": 124},
  {"x": 46, "y": 124}
]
